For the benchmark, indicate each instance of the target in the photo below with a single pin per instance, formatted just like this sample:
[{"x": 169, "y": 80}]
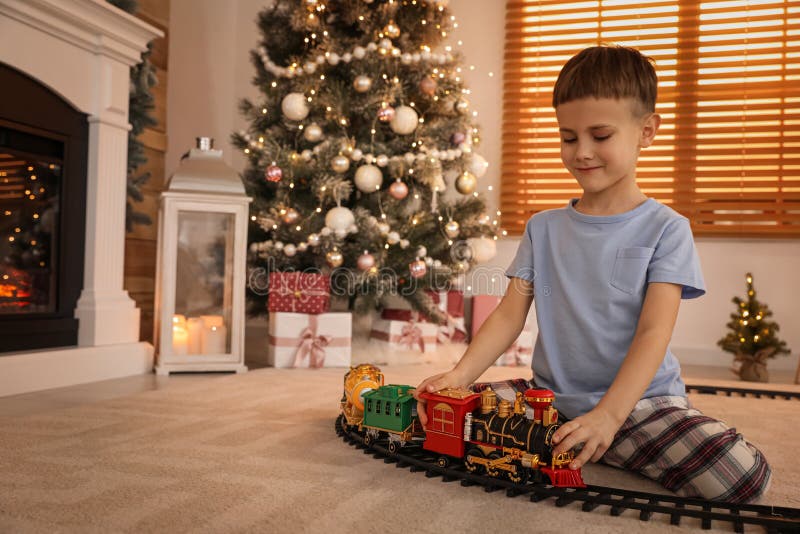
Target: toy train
[{"x": 490, "y": 436}]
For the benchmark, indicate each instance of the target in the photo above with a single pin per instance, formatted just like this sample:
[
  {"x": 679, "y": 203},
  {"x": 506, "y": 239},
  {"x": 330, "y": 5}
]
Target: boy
[{"x": 608, "y": 272}]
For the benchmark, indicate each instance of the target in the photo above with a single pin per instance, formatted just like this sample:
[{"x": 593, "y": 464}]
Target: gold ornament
[
  {"x": 451, "y": 229},
  {"x": 392, "y": 30},
  {"x": 362, "y": 83},
  {"x": 290, "y": 216},
  {"x": 334, "y": 258},
  {"x": 340, "y": 163},
  {"x": 466, "y": 183},
  {"x": 461, "y": 106}
]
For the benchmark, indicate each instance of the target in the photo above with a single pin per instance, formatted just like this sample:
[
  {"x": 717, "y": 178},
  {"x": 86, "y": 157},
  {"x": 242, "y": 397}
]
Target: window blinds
[{"x": 727, "y": 155}]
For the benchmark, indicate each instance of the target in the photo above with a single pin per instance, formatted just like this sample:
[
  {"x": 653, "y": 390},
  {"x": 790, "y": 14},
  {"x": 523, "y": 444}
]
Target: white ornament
[
  {"x": 422, "y": 251},
  {"x": 289, "y": 249},
  {"x": 368, "y": 178},
  {"x": 306, "y": 155},
  {"x": 320, "y": 59},
  {"x": 278, "y": 245},
  {"x": 478, "y": 165},
  {"x": 334, "y": 58},
  {"x": 340, "y": 233},
  {"x": 312, "y": 133},
  {"x": 437, "y": 263},
  {"x": 483, "y": 248},
  {"x": 393, "y": 238},
  {"x": 325, "y": 231},
  {"x": 429, "y": 261},
  {"x": 405, "y": 120},
  {"x": 313, "y": 240},
  {"x": 383, "y": 228},
  {"x": 339, "y": 218},
  {"x": 347, "y": 57},
  {"x": 404, "y": 243},
  {"x": 369, "y": 159},
  {"x": 409, "y": 157},
  {"x": 359, "y": 52},
  {"x": 302, "y": 246},
  {"x": 382, "y": 160},
  {"x": 310, "y": 67},
  {"x": 357, "y": 154},
  {"x": 405, "y": 59},
  {"x": 295, "y": 106}
]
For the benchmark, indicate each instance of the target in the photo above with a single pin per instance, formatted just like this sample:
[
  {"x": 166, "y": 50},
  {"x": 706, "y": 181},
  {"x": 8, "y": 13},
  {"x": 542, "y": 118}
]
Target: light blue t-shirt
[{"x": 590, "y": 275}]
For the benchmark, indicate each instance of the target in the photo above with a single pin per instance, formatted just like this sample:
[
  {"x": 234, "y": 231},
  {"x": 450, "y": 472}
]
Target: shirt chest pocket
[{"x": 630, "y": 268}]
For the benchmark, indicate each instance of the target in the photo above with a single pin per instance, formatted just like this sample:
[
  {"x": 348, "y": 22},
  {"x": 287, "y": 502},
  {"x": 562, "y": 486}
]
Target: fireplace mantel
[{"x": 83, "y": 51}]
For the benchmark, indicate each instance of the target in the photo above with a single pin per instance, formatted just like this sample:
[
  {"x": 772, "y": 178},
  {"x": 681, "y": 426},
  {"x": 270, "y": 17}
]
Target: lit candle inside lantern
[
  {"x": 180, "y": 340},
  {"x": 179, "y": 320},
  {"x": 213, "y": 340},
  {"x": 195, "y": 326}
]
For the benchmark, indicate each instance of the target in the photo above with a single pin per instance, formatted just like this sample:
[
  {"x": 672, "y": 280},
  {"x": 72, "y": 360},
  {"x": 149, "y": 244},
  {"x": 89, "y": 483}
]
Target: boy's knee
[{"x": 736, "y": 473}]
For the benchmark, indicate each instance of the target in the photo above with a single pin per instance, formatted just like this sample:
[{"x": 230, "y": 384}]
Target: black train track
[
  {"x": 742, "y": 392},
  {"x": 771, "y": 518}
]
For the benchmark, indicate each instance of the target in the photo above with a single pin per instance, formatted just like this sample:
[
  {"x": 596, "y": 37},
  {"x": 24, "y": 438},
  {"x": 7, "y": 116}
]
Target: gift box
[
  {"x": 451, "y": 303},
  {"x": 298, "y": 292},
  {"x": 482, "y": 307},
  {"x": 403, "y": 330},
  {"x": 309, "y": 340},
  {"x": 520, "y": 353}
]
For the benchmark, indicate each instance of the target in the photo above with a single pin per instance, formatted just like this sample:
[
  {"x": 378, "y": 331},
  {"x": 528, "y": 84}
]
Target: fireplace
[
  {"x": 43, "y": 151},
  {"x": 66, "y": 317}
]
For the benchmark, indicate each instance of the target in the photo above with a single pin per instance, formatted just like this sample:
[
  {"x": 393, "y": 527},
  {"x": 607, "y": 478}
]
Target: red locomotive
[{"x": 489, "y": 435}]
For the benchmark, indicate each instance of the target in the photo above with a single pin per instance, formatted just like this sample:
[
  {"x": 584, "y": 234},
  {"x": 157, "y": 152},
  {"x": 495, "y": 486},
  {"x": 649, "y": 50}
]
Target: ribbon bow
[
  {"x": 452, "y": 330},
  {"x": 517, "y": 352},
  {"x": 311, "y": 346},
  {"x": 411, "y": 335}
]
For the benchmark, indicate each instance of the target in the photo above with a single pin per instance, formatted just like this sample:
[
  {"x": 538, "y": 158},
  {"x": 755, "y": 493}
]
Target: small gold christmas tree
[{"x": 752, "y": 338}]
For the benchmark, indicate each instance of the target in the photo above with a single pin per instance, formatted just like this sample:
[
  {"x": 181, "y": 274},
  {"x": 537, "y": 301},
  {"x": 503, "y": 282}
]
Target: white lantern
[{"x": 200, "y": 279}]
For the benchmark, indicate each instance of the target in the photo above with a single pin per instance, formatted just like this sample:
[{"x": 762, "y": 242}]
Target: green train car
[{"x": 391, "y": 412}]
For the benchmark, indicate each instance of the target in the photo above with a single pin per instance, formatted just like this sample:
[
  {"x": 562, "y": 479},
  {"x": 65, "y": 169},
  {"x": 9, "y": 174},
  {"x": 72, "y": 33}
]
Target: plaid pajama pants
[{"x": 691, "y": 454}]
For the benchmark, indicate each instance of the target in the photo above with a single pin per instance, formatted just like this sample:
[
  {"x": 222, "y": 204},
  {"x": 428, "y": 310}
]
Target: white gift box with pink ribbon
[
  {"x": 412, "y": 334},
  {"x": 520, "y": 353},
  {"x": 306, "y": 340}
]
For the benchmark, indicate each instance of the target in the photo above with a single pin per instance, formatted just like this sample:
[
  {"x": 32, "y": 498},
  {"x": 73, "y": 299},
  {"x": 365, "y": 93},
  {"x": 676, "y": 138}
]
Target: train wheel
[
  {"x": 471, "y": 466},
  {"x": 443, "y": 461},
  {"x": 393, "y": 447},
  {"x": 492, "y": 472},
  {"x": 368, "y": 439},
  {"x": 520, "y": 476}
]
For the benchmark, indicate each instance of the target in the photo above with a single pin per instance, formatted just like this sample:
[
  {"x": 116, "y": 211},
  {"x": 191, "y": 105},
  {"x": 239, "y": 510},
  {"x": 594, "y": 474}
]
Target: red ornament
[
  {"x": 398, "y": 190},
  {"x": 458, "y": 138},
  {"x": 386, "y": 114},
  {"x": 273, "y": 173},
  {"x": 427, "y": 86},
  {"x": 417, "y": 268}
]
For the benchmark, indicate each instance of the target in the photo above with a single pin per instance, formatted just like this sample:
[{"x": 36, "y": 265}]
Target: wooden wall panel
[{"x": 141, "y": 242}]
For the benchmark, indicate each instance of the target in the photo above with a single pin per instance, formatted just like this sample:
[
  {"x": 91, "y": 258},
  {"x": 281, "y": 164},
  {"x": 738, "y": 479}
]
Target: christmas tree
[
  {"x": 751, "y": 337},
  {"x": 361, "y": 151}
]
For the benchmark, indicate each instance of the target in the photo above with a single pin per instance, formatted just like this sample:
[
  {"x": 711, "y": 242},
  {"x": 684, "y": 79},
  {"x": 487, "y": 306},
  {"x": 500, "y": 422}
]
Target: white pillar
[{"x": 106, "y": 313}]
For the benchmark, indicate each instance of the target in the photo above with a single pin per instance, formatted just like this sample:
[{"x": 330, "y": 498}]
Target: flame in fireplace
[{"x": 15, "y": 288}]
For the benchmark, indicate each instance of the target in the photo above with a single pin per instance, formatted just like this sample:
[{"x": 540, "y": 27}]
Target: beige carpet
[{"x": 258, "y": 453}]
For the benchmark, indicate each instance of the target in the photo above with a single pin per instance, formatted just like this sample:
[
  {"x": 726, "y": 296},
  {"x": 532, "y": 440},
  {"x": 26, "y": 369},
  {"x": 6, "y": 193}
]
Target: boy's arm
[
  {"x": 596, "y": 429},
  {"x": 499, "y": 331}
]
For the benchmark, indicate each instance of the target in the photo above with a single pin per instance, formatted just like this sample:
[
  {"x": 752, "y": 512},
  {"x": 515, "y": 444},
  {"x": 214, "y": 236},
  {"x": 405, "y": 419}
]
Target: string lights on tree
[{"x": 364, "y": 130}]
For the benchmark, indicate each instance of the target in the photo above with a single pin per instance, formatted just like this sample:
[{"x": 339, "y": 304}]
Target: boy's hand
[
  {"x": 432, "y": 384},
  {"x": 595, "y": 430}
]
